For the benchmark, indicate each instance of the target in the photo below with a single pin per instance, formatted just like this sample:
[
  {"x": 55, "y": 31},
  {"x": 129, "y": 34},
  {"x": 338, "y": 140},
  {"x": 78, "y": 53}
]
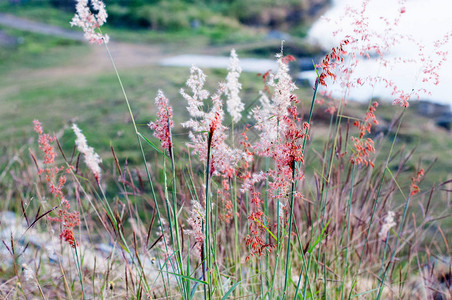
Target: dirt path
[
  {"x": 126, "y": 55},
  {"x": 28, "y": 25}
]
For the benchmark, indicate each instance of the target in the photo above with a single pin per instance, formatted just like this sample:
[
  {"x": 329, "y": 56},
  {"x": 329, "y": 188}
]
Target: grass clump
[{"x": 241, "y": 200}]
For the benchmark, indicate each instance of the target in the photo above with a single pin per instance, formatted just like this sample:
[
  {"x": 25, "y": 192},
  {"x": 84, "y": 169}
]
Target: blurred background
[{"x": 50, "y": 73}]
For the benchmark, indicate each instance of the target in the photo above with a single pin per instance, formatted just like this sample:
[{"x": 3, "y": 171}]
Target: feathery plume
[
  {"x": 196, "y": 219},
  {"x": 234, "y": 105},
  {"x": 89, "y": 21},
  {"x": 387, "y": 225},
  {"x": 92, "y": 159}
]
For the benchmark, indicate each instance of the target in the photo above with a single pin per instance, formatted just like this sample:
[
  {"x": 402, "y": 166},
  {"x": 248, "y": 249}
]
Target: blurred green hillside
[{"x": 216, "y": 18}]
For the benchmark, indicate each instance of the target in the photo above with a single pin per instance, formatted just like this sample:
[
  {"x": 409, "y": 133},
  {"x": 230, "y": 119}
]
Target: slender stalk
[
  {"x": 348, "y": 231},
  {"x": 304, "y": 266},
  {"x": 139, "y": 142},
  {"x": 384, "y": 257},
  {"x": 186, "y": 283},
  {"x": 279, "y": 243},
  {"x": 405, "y": 210},
  {"x": 292, "y": 196},
  {"x": 208, "y": 217},
  {"x": 79, "y": 269},
  {"x": 236, "y": 224}
]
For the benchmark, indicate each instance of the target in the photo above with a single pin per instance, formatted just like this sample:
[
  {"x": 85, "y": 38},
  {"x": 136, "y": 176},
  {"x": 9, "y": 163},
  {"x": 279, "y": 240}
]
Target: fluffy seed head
[{"x": 92, "y": 159}]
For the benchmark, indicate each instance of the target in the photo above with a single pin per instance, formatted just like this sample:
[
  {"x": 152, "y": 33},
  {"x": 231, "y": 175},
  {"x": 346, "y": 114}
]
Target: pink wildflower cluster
[
  {"x": 89, "y": 21},
  {"x": 55, "y": 182},
  {"x": 206, "y": 128},
  {"x": 281, "y": 138},
  {"x": 280, "y": 130},
  {"x": 367, "y": 42},
  {"x": 162, "y": 127},
  {"x": 224, "y": 196}
]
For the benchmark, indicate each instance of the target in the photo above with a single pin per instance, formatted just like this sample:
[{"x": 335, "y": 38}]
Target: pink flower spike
[{"x": 162, "y": 127}]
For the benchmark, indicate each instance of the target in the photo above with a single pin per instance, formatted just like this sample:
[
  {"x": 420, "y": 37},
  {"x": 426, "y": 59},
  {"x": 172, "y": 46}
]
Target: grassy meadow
[{"x": 165, "y": 223}]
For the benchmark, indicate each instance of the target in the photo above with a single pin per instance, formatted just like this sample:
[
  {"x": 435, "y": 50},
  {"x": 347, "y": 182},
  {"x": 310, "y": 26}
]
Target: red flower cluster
[
  {"x": 362, "y": 150},
  {"x": 55, "y": 183},
  {"x": 287, "y": 59},
  {"x": 414, "y": 188},
  {"x": 331, "y": 61},
  {"x": 256, "y": 238},
  {"x": 44, "y": 143},
  {"x": 225, "y": 197},
  {"x": 368, "y": 120},
  {"x": 68, "y": 221},
  {"x": 364, "y": 147}
]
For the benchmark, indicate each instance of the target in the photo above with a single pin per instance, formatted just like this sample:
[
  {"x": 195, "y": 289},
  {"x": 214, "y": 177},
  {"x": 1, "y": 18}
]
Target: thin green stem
[
  {"x": 348, "y": 230},
  {"x": 139, "y": 142},
  {"x": 208, "y": 217},
  {"x": 291, "y": 203}
]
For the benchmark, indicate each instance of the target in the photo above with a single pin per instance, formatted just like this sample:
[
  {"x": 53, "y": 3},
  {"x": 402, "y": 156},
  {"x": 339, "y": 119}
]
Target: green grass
[{"x": 36, "y": 51}]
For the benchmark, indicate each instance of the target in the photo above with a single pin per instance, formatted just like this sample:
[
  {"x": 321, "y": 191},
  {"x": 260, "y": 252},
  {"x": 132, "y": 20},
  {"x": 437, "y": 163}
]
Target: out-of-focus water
[{"x": 422, "y": 21}]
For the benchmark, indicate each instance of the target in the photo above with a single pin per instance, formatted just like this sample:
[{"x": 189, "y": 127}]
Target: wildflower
[
  {"x": 364, "y": 147},
  {"x": 162, "y": 127},
  {"x": 89, "y": 21},
  {"x": 55, "y": 183},
  {"x": 283, "y": 87},
  {"x": 44, "y": 143},
  {"x": 368, "y": 120},
  {"x": 266, "y": 123},
  {"x": 225, "y": 196},
  {"x": 387, "y": 225},
  {"x": 68, "y": 221},
  {"x": 375, "y": 40},
  {"x": 331, "y": 61},
  {"x": 234, "y": 105},
  {"x": 281, "y": 136},
  {"x": 256, "y": 238},
  {"x": 92, "y": 159},
  {"x": 206, "y": 128},
  {"x": 163, "y": 243},
  {"x": 362, "y": 150},
  {"x": 196, "y": 221},
  {"x": 414, "y": 188}
]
